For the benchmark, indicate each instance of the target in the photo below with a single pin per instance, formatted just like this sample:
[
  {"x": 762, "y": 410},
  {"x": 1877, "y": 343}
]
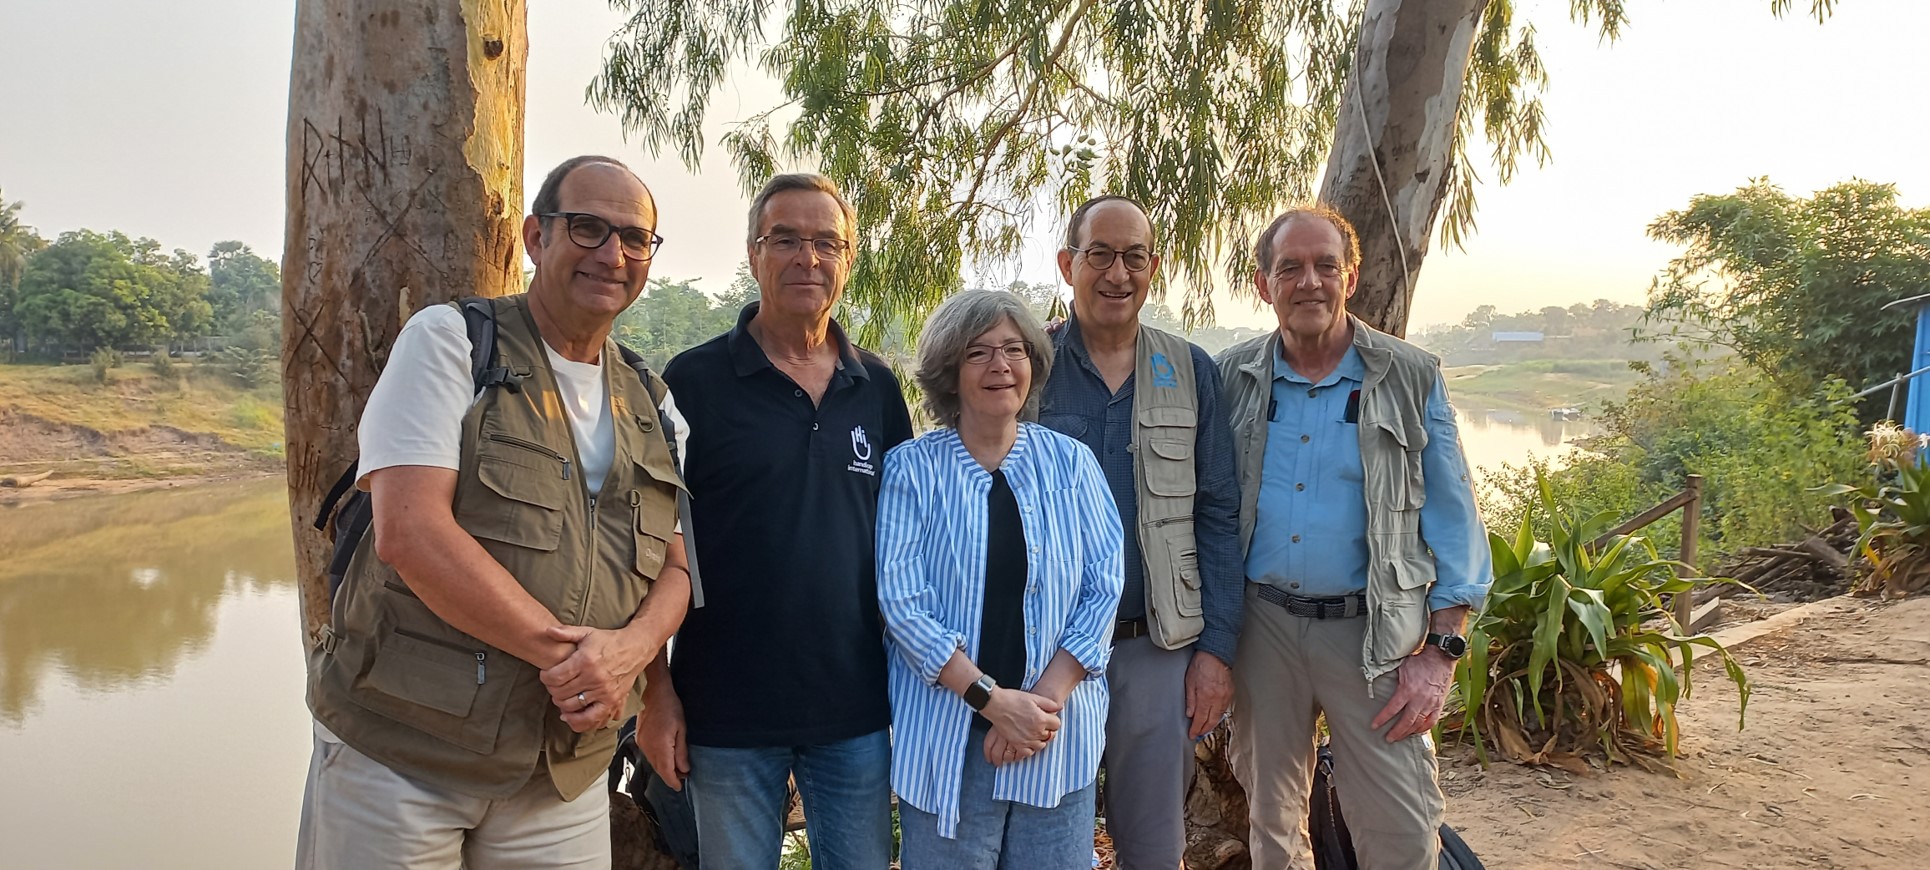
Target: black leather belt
[
  {"x": 1342, "y": 607},
  {"x": 1127, "y": 629}
]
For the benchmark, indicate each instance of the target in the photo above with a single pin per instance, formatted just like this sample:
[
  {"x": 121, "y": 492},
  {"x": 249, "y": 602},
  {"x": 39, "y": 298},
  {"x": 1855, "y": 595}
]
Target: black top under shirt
[
  {"x": 788, "y": 648},
  {"x": 1001, "y": 626}
]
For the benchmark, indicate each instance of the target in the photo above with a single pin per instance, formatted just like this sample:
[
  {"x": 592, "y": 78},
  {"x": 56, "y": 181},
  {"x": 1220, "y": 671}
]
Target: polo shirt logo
[
  {"x": 1163, "y": 374},
  {"x": 861, "y": 453}
]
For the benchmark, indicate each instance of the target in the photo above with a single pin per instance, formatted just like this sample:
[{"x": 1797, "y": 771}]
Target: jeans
[
  {"x": 738, "y": 797},
  {"x": 996, "y": 834}
]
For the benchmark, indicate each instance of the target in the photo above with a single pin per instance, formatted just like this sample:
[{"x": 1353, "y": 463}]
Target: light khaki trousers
[
  {"x": 357, "y": 814},
  {"x": 1289, "y": 670}
]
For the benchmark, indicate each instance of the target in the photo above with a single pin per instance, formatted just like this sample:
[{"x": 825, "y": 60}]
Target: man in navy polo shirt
[{"x": 781, "y": 671}]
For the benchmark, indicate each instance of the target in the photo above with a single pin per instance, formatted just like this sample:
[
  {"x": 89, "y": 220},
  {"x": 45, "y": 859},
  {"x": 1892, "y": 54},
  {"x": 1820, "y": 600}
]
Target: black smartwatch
[
  {"x": 979, "y": 693},
  {"x": 1455, "y": 645}
]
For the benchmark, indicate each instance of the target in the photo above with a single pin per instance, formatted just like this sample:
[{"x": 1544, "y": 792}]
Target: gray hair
[
  {"x": 966, "y": 316},
  {"x": 1349, "y": 238},
  {"x": 800, "y": 181}
]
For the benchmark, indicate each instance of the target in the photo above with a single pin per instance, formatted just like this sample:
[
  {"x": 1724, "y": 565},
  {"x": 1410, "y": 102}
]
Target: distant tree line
[
  {"x": 1602, "y": 330},
  {"x": 89, "y": 291}
]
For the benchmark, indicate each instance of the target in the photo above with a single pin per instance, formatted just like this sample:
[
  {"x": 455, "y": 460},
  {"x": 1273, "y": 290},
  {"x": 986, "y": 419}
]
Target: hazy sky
[{"x": 168, "y": 120}]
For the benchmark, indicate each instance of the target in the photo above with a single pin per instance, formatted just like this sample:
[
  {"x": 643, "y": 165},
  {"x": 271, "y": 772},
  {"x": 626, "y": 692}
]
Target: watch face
[{"x": 1454, "y": 645}]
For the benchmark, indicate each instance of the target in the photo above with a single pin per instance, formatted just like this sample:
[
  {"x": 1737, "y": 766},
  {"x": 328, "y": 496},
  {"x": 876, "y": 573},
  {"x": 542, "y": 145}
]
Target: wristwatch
[
  {"x": 1455, "y": 645},
  {"x": 979, "y": 693}
]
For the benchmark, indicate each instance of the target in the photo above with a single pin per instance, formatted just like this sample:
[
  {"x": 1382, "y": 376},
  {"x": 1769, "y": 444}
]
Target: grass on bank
[
  {"x": 1534, "y": 386},
  {"x": 192, "y": 398}
]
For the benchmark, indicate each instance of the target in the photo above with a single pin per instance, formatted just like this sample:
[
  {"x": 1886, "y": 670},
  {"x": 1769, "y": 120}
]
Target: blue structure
[{"x": 1916, "y": 408}]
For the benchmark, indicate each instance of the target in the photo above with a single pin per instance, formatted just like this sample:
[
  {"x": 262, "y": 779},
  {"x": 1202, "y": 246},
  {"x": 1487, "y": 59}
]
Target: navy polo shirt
[{"x": 788, "y": 649}]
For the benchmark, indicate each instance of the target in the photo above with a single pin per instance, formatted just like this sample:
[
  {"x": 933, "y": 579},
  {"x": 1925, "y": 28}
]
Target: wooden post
[
  {"x": 404, "y": 188},
  {"x": 1691, "y": 529}
]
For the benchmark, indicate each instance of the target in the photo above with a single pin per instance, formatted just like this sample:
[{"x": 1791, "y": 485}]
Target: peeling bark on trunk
[
  {"x": 405, "y": 169},
  {"x": 1408, "y": 74}
]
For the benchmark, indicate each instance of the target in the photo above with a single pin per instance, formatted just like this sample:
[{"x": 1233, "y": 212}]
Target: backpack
[
  {"x": 1333, "y": 845},
  {"x": 352, "y": 509}
]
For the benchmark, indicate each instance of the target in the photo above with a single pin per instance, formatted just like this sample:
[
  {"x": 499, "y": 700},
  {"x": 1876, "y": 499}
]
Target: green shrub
[
  {"x": 1760, "y": 450},
  {"x": 1563, "y": 660},
  {"x": 162, "y": 363},
  {"x": 102, "y": 359}
]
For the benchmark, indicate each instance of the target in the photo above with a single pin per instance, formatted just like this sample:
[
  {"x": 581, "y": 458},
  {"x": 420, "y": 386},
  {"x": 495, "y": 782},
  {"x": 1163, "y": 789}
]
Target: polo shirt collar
[
  {"x": 1351, "y": 367},
  {"x": 748, "y": 358}
]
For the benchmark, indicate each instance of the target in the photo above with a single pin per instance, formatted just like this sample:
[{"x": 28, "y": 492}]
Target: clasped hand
[
  {"x": 1022, "y": 724},
  {"x": 590, "y": 684}
]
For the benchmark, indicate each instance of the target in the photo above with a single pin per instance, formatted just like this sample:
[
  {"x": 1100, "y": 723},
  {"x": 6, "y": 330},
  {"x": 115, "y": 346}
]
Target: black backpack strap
[
  {"x": 479, "y": 316},
  {"x": 342, "y": 485}
]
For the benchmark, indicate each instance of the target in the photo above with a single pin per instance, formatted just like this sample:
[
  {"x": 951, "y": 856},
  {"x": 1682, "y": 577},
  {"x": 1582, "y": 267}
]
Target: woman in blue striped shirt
[{"x": 999, "y": 570}]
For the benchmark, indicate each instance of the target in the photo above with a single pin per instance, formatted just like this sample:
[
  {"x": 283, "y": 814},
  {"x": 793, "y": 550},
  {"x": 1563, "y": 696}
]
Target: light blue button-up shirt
[{"x": 1310, "y": 526}]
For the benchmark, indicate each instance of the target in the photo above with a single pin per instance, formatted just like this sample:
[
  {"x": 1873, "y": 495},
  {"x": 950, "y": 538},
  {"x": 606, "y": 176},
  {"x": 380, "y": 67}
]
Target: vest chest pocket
[
  {"x": 525, "y": 487},
  {"x": 1394, "y": 466},
  {"x": 1167, "y": 462},
  {"x": 653, "y": 514}
]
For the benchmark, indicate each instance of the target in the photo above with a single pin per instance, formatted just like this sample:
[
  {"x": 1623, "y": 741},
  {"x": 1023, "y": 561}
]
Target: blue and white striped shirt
[{"x": 932, "y": 530}]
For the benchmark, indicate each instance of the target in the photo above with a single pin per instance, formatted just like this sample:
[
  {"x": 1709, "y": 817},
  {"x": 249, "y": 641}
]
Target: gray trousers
[{"x": 1149, "y": 759}]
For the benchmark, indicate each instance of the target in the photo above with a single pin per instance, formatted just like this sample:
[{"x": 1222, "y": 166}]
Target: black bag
[
  {"x": 1333, "y": 846},
  {"x": 350, "y": 508}
]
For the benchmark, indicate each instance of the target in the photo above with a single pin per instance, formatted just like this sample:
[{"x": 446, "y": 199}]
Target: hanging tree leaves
[{"x": 958, "y": 127}]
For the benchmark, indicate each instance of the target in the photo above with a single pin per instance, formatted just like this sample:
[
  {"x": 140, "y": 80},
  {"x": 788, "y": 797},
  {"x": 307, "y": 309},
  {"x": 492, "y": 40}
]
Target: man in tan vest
[
  {"x": 1146, "y": 402},
  {"x": 1363, "y": 554},
  {"x": 522, "y": 567}
]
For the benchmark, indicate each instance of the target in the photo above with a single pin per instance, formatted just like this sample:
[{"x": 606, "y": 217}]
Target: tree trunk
[
  {"x": 405, "y": 170},
  {"x": 1392, "y": 142}
]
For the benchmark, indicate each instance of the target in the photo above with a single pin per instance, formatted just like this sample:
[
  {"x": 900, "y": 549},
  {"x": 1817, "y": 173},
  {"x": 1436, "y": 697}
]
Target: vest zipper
[
  {"x": 480, "y": 657},
  {"x": 534, "y": 447}
]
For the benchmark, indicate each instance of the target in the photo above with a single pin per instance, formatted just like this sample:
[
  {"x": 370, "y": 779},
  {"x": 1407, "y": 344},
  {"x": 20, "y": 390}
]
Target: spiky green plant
[
  {"x": 1893, "y": 514},
  {"x": 1575, "y": 651}
]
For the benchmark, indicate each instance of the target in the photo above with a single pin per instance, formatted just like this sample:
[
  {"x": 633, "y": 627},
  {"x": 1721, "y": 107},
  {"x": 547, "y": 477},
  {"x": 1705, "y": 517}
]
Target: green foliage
[
  {"x": 253, "y": 414},
  {"x": 1796, "y": 287},
  {"x": 1760, "y": 447},
  {"x": 671, "y": 317},
  {"x": 17, "y": 242},
  {"x": 952, "y": 122},
  {"x": 93, "y": 290},
  {"x": 1566, "y": 656},
  {"x": 162, "y": 363},
  {"x": 253, "y": 357},
  {"x": 241, "y": 284},
  {"x": 103, "y": 359},
  {"x": 1893, "y": 516}
]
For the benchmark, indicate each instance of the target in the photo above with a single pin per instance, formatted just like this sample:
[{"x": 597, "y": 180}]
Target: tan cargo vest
[
  {"x": 405, "y": 688},
  {"x": 1393, "y": 431},
  {"x": 1165, "y": 427}
]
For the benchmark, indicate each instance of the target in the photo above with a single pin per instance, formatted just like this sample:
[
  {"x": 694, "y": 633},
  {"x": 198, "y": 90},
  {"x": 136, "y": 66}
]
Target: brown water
[{"x": 151, "y": 708}]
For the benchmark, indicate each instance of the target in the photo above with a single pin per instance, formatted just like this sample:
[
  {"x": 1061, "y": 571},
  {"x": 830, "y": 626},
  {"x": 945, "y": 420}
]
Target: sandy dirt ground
[
  {"x": 87, "y": 462},
  {"x": 1833, "y": 769}
]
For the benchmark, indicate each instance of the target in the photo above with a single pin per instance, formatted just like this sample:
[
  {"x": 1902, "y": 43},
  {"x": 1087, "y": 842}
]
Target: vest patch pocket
[
  {"x": 1167, "y": 465},
  {"x": 431, "y": 685},
  {"x": 1401, "y": 487},
  {"x": 521, "y": 498}
]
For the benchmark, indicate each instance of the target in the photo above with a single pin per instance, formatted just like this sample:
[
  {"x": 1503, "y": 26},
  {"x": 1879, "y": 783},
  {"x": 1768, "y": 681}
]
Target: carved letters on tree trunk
[{"x": 404, "y": 187}]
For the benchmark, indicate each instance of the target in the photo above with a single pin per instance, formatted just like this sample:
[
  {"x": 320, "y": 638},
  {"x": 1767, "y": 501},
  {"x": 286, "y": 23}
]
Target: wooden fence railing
[{"x": 1689, "y": 501}]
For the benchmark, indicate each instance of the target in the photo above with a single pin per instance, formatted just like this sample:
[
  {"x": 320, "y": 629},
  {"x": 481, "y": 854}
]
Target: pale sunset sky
[{"x": 168, "y": 120}]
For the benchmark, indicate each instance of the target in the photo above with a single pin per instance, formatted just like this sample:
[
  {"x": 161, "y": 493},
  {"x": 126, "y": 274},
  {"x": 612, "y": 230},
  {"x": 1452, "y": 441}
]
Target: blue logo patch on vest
[{"x": 1163, "y": 374}]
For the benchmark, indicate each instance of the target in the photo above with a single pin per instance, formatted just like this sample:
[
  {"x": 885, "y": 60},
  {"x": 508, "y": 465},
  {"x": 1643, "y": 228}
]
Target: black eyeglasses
[
  {"x": 787, "y": 246},
  {"x": 1136, "y": 259},
  {"x": 1013, "y": 351},
  {"x": 590, "y": 231}
]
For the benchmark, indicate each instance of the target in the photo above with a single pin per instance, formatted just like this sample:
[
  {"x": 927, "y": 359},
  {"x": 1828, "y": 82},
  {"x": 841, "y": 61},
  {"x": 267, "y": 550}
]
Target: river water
[{"x": 151, "y": 707}]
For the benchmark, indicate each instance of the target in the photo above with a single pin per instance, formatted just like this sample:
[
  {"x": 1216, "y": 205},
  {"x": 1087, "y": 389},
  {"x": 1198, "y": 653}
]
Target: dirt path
[{"x": 1832, "y": 771}]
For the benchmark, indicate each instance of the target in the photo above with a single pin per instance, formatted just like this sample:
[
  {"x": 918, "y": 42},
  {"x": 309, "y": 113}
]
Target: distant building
[{"x": 1517, "y": 338}]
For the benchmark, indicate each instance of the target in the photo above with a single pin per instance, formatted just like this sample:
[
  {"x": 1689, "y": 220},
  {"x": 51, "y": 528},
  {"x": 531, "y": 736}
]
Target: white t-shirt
[{"x": 414, "y": 415}]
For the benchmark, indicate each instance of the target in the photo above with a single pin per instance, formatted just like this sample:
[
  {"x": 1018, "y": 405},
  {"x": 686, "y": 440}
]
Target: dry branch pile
[{"x": 1812, "y": 569}]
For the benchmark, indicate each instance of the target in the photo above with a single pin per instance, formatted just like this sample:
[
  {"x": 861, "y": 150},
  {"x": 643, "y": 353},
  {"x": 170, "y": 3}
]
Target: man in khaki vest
[
  {"x": 1363, "y": 555},
  {"x": 521, "y": 569},
  {"x": 1146, "y": 403}
]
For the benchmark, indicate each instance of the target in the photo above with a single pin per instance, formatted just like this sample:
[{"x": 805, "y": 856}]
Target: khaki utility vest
[
  {"x": 1165, "y": 428},
  {"x": 405, "y": 688},
  {"x": 1393, "y": 431}
]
